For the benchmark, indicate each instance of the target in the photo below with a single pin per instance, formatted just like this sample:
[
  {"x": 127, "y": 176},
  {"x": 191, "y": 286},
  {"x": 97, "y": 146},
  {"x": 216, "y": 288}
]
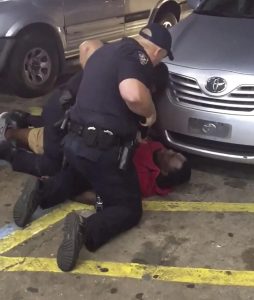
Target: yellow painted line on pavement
[
  {"x": 134, "y": 271},
  {"x": 222, "y": 207},
  {"x": 35, "y": 110},
  {"x": 20, "y": 236}
]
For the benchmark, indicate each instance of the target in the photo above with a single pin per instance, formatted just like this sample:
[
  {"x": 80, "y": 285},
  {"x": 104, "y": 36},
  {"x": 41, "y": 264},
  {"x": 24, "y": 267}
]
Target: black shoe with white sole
[
  {"x": 27, "y": 202},
  {"x": 3, "y": 126},
  {"x": 68, "y": 252}
]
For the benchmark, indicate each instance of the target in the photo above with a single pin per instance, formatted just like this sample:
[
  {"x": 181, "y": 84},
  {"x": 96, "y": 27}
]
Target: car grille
[{"x": 187, "y": 91}]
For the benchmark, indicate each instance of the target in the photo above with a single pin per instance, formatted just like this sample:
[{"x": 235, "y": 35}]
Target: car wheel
[
  {"x": 166, "y": 19},
  {"x": 33, "y": 66}
]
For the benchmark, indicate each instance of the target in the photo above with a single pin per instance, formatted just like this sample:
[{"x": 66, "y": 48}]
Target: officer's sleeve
[
  {"x": 136, "y": 65},
  {"x": 74, "y": 82}
]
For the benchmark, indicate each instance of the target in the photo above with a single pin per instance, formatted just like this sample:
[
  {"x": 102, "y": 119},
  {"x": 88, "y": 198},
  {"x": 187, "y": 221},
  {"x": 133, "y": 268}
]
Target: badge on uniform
[{"x": 142, "y": 58}]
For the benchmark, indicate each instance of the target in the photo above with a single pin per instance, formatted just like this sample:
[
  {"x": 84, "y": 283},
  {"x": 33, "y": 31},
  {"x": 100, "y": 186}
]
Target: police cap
[{"x": 159, "y": 35}]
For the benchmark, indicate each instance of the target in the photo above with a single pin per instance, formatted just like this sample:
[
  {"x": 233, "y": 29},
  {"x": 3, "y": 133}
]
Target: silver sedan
[{"x": 209, "y": 106}]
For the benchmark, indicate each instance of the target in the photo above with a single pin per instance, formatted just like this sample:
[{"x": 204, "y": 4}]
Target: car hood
[{"x": 208, "y": 42}]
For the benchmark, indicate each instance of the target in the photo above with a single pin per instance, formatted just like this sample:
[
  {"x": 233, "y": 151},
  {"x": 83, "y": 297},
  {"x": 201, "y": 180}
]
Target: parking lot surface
[{"x": 196, "y": 243}]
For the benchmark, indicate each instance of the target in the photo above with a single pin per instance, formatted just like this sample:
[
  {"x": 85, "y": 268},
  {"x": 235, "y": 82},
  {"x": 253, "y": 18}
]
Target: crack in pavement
[{"x": 14, "y": 265}]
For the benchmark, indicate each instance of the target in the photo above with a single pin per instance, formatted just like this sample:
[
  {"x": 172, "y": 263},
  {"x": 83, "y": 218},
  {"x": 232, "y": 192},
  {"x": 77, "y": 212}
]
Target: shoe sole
[
  {"x": 22, "y": 211},
  {"x": 3, "y": 129},
  {"x": 68, "y": 251}
]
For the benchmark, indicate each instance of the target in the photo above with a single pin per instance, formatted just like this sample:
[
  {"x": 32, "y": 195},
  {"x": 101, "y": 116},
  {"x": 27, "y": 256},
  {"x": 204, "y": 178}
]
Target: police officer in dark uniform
[
  {"x": 112, "y": 101},
  {"x": 49, "y": 163}
]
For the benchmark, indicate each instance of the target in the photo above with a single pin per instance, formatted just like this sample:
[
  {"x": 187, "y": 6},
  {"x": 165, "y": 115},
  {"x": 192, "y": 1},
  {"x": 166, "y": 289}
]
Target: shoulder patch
[{"x": 143, "y": 58}]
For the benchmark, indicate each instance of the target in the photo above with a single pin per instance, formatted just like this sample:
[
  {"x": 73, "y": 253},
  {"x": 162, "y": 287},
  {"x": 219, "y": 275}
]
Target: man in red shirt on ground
[{"x": 159, "y": 169}]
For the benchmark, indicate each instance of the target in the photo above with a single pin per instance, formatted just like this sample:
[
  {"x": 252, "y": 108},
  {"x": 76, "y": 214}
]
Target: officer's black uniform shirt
[
  {"x": 53, "y": 112},
  {"x": 99, "y": 102}
]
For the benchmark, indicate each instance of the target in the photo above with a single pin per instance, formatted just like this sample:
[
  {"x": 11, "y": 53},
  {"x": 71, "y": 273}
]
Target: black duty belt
[{"x": 94, "y": 136}]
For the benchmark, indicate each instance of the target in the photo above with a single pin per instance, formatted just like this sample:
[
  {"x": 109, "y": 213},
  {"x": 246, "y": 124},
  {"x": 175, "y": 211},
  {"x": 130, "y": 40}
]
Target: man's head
[
  {"x": 173, "y": 166},
  {"x": 156, "y": 40}
]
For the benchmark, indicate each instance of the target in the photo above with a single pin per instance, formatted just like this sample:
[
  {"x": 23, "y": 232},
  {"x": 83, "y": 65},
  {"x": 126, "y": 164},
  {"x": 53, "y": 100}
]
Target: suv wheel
[
  {"x": 167, "y": 19},
  {"x": 33, "y": 65}
]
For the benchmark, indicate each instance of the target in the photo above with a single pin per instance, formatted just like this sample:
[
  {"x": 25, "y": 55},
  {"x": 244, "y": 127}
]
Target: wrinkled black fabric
[{"x": 119, "y": 191}]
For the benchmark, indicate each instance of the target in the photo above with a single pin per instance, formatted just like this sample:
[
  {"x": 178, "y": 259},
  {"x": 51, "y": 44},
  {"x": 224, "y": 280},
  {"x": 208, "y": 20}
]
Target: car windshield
[{"x": 227, "y": 8}]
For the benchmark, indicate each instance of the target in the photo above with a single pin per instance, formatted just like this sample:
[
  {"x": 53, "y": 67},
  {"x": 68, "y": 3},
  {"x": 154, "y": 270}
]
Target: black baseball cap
[{"x": 159, "y": 35}]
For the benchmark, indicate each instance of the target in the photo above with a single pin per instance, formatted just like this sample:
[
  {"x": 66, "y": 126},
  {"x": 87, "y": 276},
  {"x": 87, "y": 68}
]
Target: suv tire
[{"x": 33, "y": 65}]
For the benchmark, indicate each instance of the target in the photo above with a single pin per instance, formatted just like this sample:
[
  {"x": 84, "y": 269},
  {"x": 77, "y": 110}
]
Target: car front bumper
[{"x": 176, "y": 127}]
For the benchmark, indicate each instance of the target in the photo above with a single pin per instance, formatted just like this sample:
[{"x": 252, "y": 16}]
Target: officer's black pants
[
  {"x": 122, "y": 207},
  {"x": 35, "y": 164}
]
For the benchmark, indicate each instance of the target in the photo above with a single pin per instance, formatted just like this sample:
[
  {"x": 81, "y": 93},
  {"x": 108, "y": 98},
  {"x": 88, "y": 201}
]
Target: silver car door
[{"x": 89, "y": 19}]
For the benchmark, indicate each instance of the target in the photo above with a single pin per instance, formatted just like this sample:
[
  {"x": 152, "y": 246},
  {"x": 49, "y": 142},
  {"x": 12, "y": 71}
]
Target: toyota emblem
[
  {"x": 216, "y": 84},
  {"x": 209, "y": 128}
]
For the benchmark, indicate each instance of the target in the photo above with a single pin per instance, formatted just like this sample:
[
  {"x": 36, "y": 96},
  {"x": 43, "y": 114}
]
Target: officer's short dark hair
[
  {"x": 176, "y": 177},
  {"x": 160, "y": 78}
]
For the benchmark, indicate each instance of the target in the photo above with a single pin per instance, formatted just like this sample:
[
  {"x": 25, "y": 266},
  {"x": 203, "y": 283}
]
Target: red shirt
[{"x": 147, "y": 170}]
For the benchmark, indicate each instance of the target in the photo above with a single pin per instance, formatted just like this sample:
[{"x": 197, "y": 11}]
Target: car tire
[
  {"x": 33, "y": 65},
  {"x": 167, "y": 19}
]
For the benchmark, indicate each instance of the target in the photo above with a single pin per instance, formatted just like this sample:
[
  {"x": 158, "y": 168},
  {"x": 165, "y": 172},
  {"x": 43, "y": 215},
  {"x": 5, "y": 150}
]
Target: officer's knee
[{"x": 136, "y": 214}]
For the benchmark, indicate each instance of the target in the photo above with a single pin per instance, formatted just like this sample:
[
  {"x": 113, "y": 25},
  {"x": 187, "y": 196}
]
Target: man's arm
[
  {"x": 147, "y": 177},
  {"x": 138, "y": 99}
]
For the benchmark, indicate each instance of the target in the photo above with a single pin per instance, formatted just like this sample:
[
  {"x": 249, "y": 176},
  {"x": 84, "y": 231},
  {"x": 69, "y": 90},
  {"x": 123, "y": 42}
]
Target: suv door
[
  {"x": 137, "y": 14},
  {"x": 86, "y": 19}
]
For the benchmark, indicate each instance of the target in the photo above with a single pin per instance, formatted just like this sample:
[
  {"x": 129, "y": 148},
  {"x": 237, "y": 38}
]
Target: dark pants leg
[
  {"x": 103, "y": 226},
  {"x": 120, "y": 195},
  {"x": 66, "y": 184},
  {"x": 34, "y": 164}
]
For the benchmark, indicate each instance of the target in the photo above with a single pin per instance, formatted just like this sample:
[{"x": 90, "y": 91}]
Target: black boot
[
  {"x": 27, "y": 202},
  {"x": 74, "y": 236},
  {"x": 17, "y": 119}
]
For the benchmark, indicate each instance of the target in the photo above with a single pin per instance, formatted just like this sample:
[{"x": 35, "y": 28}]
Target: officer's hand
[{"x": 149, "y": 121}]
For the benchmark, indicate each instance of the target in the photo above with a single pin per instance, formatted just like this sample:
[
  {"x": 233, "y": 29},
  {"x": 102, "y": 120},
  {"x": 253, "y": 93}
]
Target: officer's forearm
[{"x": 137, "y": 97}]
